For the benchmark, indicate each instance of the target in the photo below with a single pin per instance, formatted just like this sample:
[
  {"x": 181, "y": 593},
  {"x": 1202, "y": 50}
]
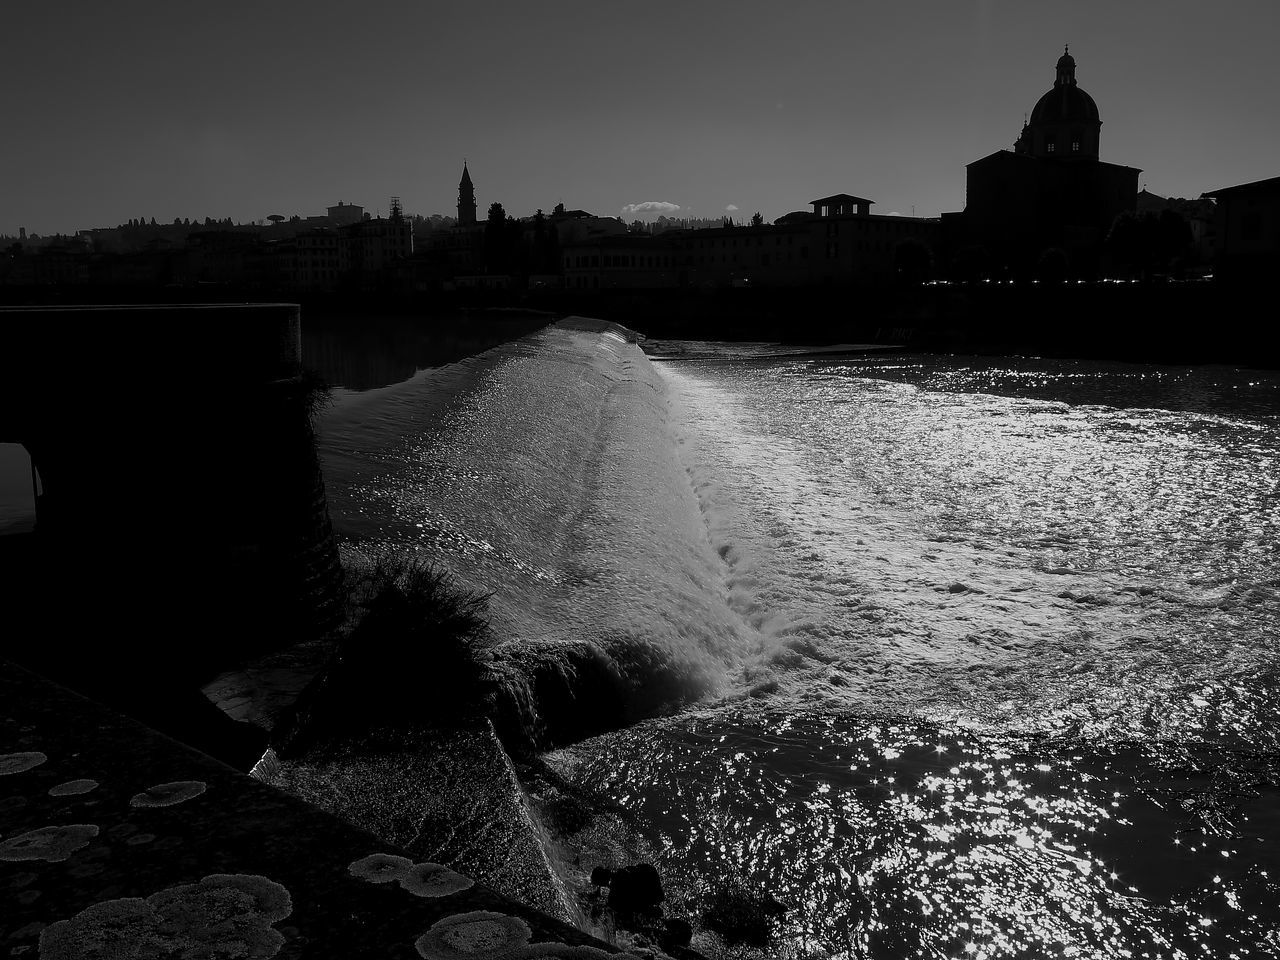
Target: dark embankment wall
[
  {"x": 1193, "y": 322},
  {"x": 182, "y": 521}
]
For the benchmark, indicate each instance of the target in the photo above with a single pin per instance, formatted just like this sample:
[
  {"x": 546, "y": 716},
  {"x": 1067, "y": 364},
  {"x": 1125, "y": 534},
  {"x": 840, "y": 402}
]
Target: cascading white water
[{"x": 546, "y": 472}]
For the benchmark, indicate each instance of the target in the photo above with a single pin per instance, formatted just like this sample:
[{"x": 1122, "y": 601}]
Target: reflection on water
[
  {"x": 1015, "y": 684},
  {"x": 895, "y": 839}
]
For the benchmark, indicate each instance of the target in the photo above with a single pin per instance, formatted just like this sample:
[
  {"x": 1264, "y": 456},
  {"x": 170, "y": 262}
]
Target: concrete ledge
[
  {"x": 47, "y": 349},
  {"x": 445, "y": 796},
  {"x": 137, "y": 815}
]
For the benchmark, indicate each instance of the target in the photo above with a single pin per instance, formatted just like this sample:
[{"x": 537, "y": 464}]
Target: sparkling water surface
[{"x": 978, "y": 655}]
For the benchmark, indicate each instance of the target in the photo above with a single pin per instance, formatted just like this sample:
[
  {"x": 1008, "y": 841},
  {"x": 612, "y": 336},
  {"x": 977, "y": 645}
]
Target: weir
[{"x": 547, "y": 473}]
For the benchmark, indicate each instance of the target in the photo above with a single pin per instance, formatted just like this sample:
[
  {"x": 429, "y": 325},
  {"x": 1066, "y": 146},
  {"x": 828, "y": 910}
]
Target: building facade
[
  {"x": 1247, "y": 227},
  {"x": 1051, "y": 192},
  {"x": 840, "y": 244}
]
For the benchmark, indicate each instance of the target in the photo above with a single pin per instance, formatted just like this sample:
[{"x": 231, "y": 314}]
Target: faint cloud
[
  {"x": 732, "y": 208},
  {"x": 894, "y": 213},
  {"x": 651, "y": 206}
]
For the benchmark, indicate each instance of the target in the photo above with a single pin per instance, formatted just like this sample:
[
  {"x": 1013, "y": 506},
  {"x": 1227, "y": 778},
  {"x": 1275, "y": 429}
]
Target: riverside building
[
  {"x": 839, "y": 243},
  {"x": 1052, "y": 191}
]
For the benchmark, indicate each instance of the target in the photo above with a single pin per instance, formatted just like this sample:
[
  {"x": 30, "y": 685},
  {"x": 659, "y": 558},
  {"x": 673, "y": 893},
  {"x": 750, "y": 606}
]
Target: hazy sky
[{"x": 130, "y": 108}]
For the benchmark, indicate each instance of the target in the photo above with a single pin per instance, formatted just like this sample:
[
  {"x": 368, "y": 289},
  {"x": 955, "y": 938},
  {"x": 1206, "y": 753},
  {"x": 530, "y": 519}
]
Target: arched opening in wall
[{"x": 19, "y": 482}]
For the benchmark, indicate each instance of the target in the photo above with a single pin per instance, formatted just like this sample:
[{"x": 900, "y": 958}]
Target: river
[{"x": 956, "y": 656}]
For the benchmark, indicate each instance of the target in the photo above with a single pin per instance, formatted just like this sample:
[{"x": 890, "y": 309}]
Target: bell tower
[{"x": 466, "y": 198}]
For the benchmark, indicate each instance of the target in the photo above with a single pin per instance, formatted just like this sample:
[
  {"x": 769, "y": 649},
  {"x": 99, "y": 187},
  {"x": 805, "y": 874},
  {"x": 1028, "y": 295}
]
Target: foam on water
[{"x": 975, "y": 554}]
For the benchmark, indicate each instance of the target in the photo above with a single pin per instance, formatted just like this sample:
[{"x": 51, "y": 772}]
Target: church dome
[
  {"x": 1065, "y": 103},
  {"x": 1064, "y": 122}
]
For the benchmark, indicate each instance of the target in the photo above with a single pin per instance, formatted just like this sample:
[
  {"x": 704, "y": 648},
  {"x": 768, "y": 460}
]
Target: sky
[{"x": 243, "y": 108}]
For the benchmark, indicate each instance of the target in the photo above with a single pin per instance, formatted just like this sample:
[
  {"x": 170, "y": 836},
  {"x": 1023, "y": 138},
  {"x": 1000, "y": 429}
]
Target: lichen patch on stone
[
  {"x": 73, "y": 788},
  {"x": 420, "y": 879},
  {"x": 565, "y": 951},
  {"x": 168, "y": 794},
  {"x": 479, "y": 935},
  {"x": 433, "y": 880},
  {"x": 221, "y": 916},
  {"x": 11, "y": 763},
  {"x": 53, "y": 844},
  {"x": 380, "y": 867}
]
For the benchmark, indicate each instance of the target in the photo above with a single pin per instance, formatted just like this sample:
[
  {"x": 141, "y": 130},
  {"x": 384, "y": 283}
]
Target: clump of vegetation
[
  {"x": 417, "y": 653},
  {"x": 312, "y": 392}
]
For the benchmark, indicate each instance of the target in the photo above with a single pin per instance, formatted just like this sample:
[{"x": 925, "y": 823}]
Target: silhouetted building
[
  {"x": 841, "y": 244},
  {"x": 1201, "y": 216},
  {"x": 1248, "y": 229},
  {"x": 235, "y": 258},
  {"x": 313, "y": 260},
  {"x": 456, "y": 248},
  {"x": 579, "y": 226},
  {"x": 1051, "y": 190},
  {"x": 343, "y": 214},
  {"x": 1064, "y": 122},
  {"x": 629, "y": 261},
  {"x": 371, "y": 248},
  {"x": 841, "y": 205},
  {"x": 466, "y": 198},
  {"x": 60, "y": 262}
]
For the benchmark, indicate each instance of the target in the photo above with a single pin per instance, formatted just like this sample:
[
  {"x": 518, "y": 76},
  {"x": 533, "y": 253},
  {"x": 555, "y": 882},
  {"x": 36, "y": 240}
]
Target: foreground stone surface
[
  {"x": 117, "y": 841},
  {"x": 445, "y": 796}
]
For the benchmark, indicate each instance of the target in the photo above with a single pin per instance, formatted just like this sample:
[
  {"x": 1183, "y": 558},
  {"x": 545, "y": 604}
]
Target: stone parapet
[{"x": 116, "y": 838}]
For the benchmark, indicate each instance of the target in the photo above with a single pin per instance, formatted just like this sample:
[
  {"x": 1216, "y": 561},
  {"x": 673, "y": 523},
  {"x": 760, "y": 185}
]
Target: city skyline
[{"x": 716, "y": 110}]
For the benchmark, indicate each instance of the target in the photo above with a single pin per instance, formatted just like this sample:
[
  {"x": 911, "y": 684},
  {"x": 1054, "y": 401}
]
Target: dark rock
[
  {"x": 675, "y": 933},
  {"x": 635, "y": 889},
  {"x": 743, "y": 914},
  {"x": 773, "y": 906}
]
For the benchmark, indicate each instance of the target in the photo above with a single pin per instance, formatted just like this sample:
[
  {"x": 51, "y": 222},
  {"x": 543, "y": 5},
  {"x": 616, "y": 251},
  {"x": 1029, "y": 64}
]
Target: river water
[{"x": 959, "y": 657}]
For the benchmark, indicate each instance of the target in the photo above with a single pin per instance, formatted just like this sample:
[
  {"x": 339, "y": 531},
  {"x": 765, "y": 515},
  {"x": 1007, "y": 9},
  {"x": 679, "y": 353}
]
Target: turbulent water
[{"x": 976, "y": 657}]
